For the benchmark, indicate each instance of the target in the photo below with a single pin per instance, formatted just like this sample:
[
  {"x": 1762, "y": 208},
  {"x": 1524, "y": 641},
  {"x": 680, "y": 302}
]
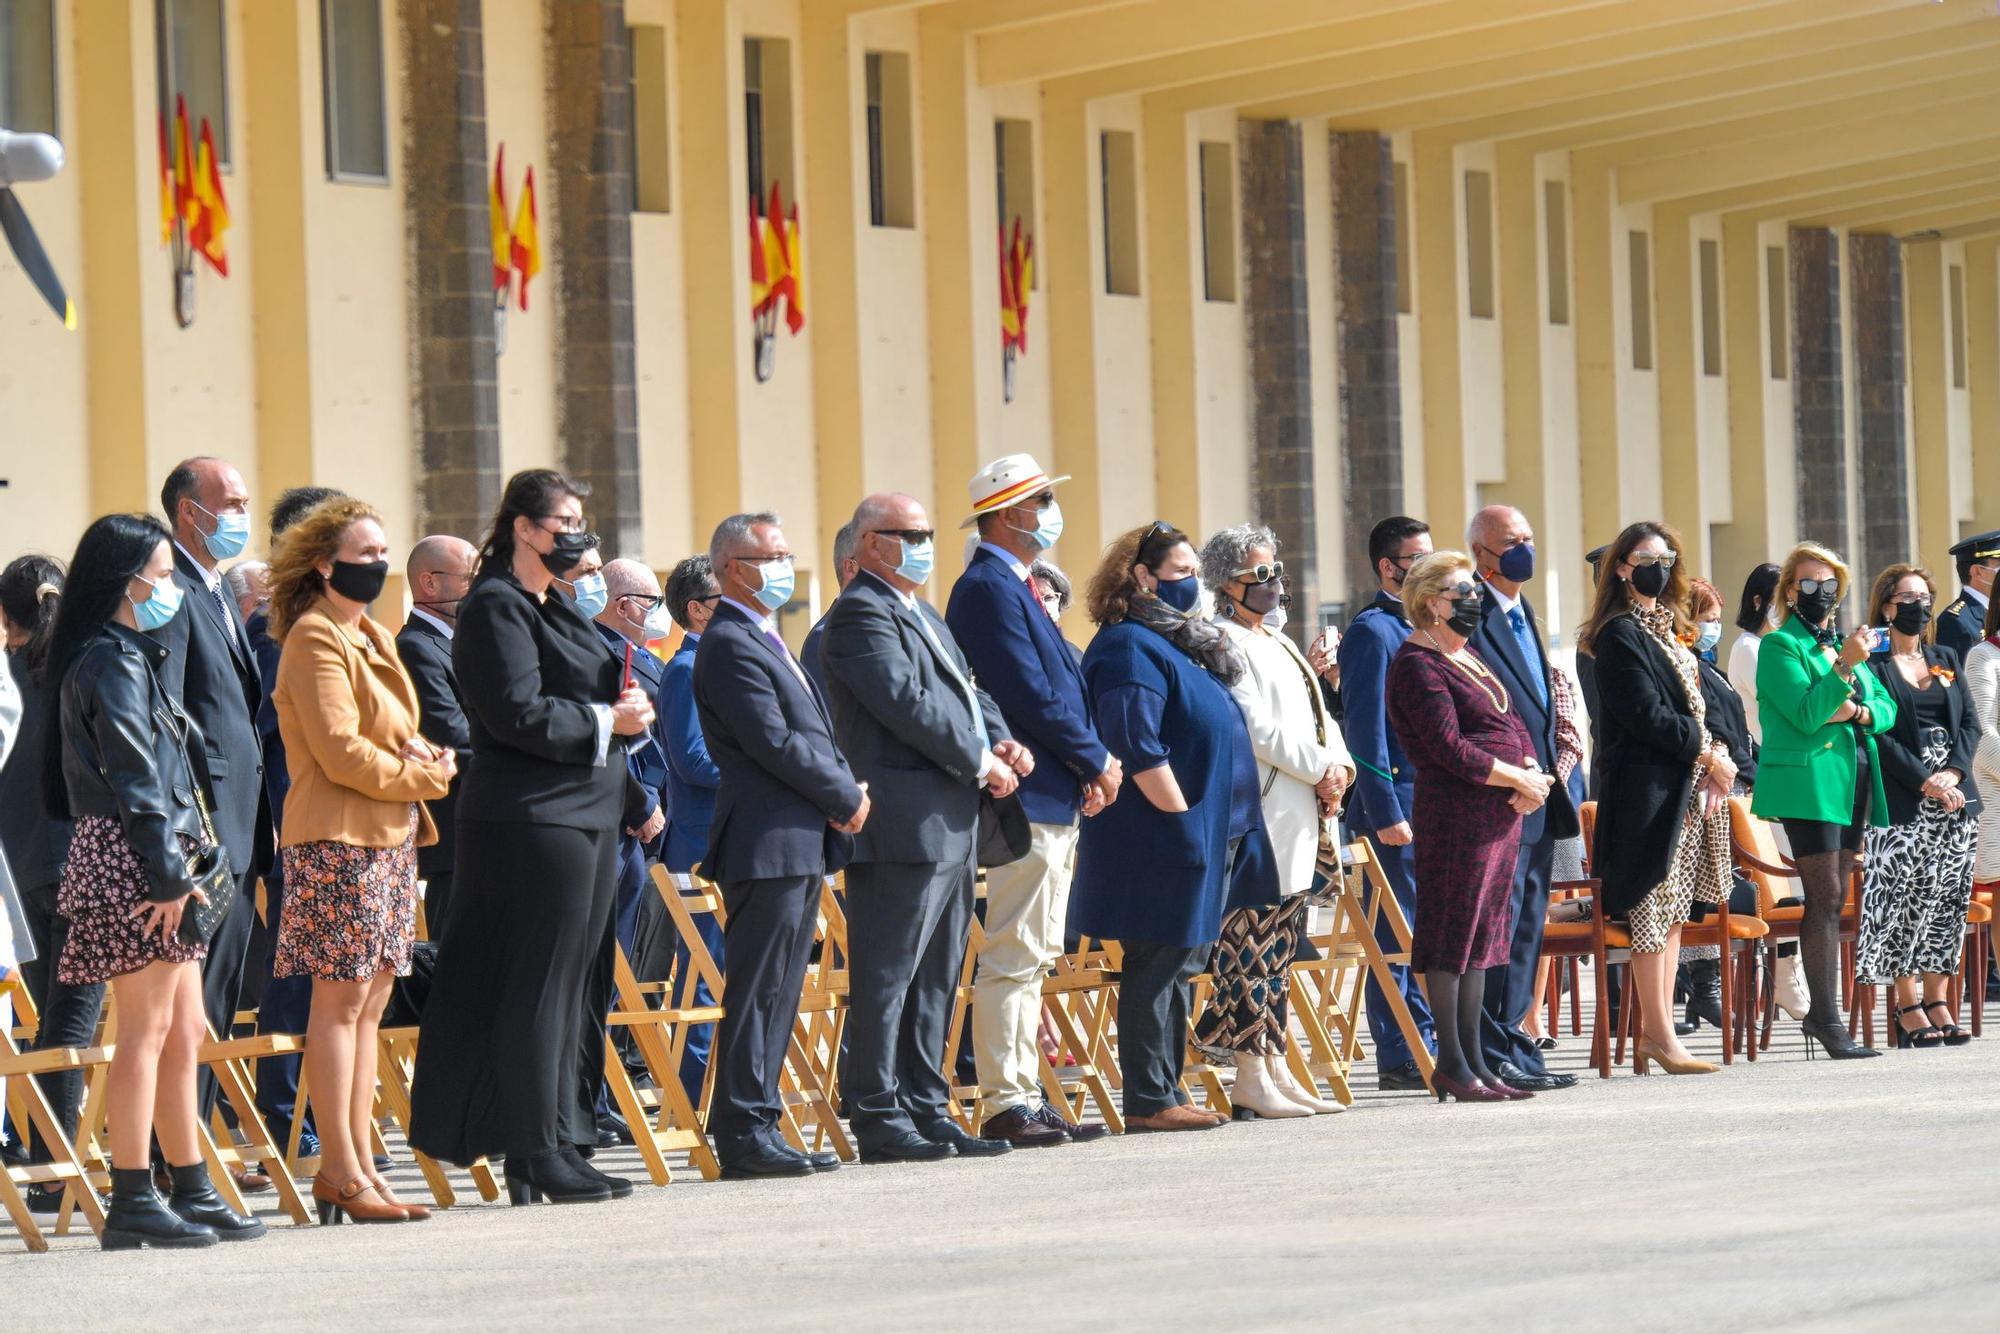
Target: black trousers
[
  {"x": 222, "y": 976},
  {"x": 769, "y": 940},
  {"x": 906, "y": 935},
  {"x": 1155, "y": 992},
  {"x": 437, "y": 899},
  {"x": 69, "y": 1013}
]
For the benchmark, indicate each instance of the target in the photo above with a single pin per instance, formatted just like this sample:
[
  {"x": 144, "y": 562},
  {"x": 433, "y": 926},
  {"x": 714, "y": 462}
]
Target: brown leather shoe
[
  {"x": 1079, "y": 1132},
  {"x": 1174, "y": 1118},
  {"x": 252, "y": 1181},
  {"x": 1021, "y": 1128},
  {"x": 355, "y": 1202},
  {"x": 417, "y": 1212}
]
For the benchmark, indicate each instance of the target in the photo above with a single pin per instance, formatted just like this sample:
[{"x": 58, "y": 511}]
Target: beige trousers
[{"x": 1027, "y": 904}]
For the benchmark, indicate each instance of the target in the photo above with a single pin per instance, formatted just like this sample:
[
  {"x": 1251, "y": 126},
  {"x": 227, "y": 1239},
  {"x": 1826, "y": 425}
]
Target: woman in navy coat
[{"x": 1157, "y": 870}]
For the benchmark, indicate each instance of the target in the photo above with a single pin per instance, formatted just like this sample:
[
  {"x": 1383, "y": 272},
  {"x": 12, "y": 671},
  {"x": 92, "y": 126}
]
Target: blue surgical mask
[
  {"x": 918, "y": 557},
  {"x": 158, "y": 609},
  {"x": 778, "y": 579},
  {"x": 1706, "y": 636},
  {"x": 231, "y": 535},
  {"x": 659, "y": 622},
  {"x": 1050, "y": 521},
  {"x": 1183, "y": 595},
  {"x": 591, "y": 594}
]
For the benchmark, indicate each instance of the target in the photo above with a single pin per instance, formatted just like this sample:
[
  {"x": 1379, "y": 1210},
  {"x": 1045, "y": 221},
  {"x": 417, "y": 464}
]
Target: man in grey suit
[
  {"x": 927, "y": 740},
  {"x": 786, "y": 810}
]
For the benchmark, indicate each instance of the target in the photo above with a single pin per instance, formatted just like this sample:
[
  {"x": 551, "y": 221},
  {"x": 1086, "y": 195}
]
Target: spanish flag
[
  {"x": 781, "y": 259},
  {"x": 760, "y": 274},
  {"x": 169, "y": 195},
  {"x": 209, "y": 213},
  {"x": 496, "y": 210},
  {"x": 526, "y": 243}
]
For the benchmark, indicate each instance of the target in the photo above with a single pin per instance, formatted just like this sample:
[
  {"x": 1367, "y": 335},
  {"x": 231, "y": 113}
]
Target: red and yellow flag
[
  {"x": 496, "y": 211},
  {"x": 795, "y": 279},
  {"x": 169, "y": 195},
  {"x": 760, "y": 273},
  {"x": 525, "y": 246},
  {"x": 778, "y": 248},
  {"x": 208, "y": 213},
  {"x": 1017, "y": 279}
]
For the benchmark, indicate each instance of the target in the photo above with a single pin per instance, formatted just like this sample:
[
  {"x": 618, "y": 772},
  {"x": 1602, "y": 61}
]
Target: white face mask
[{"x": 1276, "y": 618}]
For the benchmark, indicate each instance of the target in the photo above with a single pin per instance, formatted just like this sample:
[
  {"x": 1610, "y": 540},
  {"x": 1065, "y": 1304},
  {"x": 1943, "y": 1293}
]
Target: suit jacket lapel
[
  {"x": 1500, "y": 634},
  {"x": 793, "y": 671},
  {"x": 1050, "y": 634},
  {"x": 224, "y": 623}
]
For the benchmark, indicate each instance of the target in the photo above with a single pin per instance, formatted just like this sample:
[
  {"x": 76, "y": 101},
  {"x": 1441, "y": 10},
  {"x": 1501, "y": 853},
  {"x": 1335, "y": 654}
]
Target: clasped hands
[
  {"x": 1531, "y": 789},
  {"x": 1102, "y": 790},
  {"x": 1015, "y": 763},
  {"x": 1943, "y": 788},
  {"x": 418, "y": 750}
]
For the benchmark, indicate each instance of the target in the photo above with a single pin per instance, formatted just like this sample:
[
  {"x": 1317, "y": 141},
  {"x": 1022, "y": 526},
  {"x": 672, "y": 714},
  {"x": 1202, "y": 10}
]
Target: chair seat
[
  {"x": 1978, "y": 914},
  {"x": 1741, "y": 927}
]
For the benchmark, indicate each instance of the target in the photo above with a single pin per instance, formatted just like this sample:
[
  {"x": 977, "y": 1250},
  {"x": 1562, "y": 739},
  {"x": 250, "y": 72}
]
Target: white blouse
[{"x": 1743, "y": 675}]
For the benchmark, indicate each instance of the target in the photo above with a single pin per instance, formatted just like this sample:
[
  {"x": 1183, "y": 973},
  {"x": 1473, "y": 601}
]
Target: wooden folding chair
[
  {"x": 1079, "y": 998},
  {"x": 1329, "y": 993},
  {"x": 395, "y": 1069},
  {"x": 810, "y": 1079},
  {"x": 29, "y": 1109},
  {"x": 229, "y": 1059}
]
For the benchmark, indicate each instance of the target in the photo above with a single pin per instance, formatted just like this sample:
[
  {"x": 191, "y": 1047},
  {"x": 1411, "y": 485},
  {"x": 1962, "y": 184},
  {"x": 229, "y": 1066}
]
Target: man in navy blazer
[
  {"x": 1509, "y": 640},
  {"x": 786, "y": 813},
  {"x": 1385, "y": 783},
  {"x": 692, "y": 595},
  {"x": 1017, "y": 654}
]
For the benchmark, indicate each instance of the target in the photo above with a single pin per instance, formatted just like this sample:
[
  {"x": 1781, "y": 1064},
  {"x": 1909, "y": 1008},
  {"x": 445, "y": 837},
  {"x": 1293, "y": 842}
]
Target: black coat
[
  {"x": 1901, "y": 747},
  {"x": 1727, "y": 722},
  {"x": 35, "y": 842},
  {"x": 784, "y": 778},
  {"x": 426, "y": 655},
  {"x": 1649, "y": 744},
  {"x": 1528, "y": 686},
  {"x": 529, "y": 672}
]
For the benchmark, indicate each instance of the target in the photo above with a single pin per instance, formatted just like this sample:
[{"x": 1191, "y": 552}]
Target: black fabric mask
[
  {"x": 568, "y": 550},
  {"x": 1651, "y": 580},
  {"x": 359, "y": 581},
  {"x": 1816, "y": 607},
  {"x": 1464, "y": 616},
  {"x": 1912, "y": 617},
  {"x": 1262, "y": 598}
]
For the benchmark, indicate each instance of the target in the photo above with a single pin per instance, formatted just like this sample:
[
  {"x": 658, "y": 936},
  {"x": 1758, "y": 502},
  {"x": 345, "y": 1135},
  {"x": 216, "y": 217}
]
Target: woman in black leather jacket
[{"x": 118, "y": 765}]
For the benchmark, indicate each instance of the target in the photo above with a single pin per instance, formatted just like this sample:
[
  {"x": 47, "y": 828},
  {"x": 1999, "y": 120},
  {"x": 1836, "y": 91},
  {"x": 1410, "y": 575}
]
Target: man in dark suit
[
  {"x": 785, "y": 816},
  {"x": 1509, "y": 640},
  {"x": 692, "y": 778},
  {"x": 926, "y": 740},
  {"x": 844, "y": 570},
  {"x": 210, "y": 669},
  {"x": 1385, "y": 783},
  {"x": 1962, "y": 623},
  {"x": 439, "y": 573}
]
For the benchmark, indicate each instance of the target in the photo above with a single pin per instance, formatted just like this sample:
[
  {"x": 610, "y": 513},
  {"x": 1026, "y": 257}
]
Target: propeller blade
[{"x": 34, "y": 260}]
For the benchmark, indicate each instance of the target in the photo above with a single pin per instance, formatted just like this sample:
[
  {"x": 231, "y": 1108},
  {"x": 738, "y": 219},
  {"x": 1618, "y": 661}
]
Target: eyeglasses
[
  {"x": 1808, "y": 587},
  {"x": 1460, "y": 591},
  {"x": 564, "y": 523},
  {"x": 1263, "y": 572},
  {"x": 1666, "y": 560},
  {"x": 646, "y": 600},
  {"x": 1910, "y": 600},
  {"x": 917, "y": 535},
  {"x": 1051, "y": 599},
  {"x": 763, "y": 560},
  {"x": 1041, "y": 502}
]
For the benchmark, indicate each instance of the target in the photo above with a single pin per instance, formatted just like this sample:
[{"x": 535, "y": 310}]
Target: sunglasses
[
  {"x": 914, "y": 535},
  {"x": 1263, "y": 572},
  {"x": 1808, "y": 587},
  {"x": 1665, "y": 560},
  {"x": 1458, "y": 592}
]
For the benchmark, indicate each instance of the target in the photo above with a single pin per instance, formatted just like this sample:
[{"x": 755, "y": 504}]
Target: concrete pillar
[
  {"x": 1170, "y": 288},
  {"x": 1593, "y": 308},
  {"x": 1882, "y": 461},
  {"x": 715, "y": 248},
  {"x": 1929, "y": 376},
  {"x": 1447, "y": 485},
  {"x": 1819, "y": 400},
  {"x": 590, "y": 184},
  {"x": 1066, "y": 158},
  {"x": 1982, "y": 378},
  {"x": 1272, "y": 170},
  {"x": 831, "y": 263},
  {"x": 952, "y": 237},
  {"x": 1674, "y": 360},
  {"x": 1746, "y": 539},
  {"x": 1362, "y": 169},
  {"x": 446, "y": 169}
]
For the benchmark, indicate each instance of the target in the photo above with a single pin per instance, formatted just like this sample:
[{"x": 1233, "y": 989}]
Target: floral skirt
[
  {"x": 350, "y": 912},
  {"x": 103, "y": 881}
]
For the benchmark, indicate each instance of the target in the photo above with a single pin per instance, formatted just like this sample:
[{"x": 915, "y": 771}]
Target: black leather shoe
[
  {"x": 1405, "y": 1078},
  {"x": 612, "y": 1131},
  {"x": 1023, "y": 1129},
  {"x": 194, "y": 1199},
  {"x": 1082, "y": 1132},
  {"x": 966, "y": 1146},
  {"x": 828, "y": 1161},
  {"x": 138, "y": 1217},
  {"x": 910, "y": 1148},
  {"x": 1514, "y": 1077},
  {"x": 763, "y": 1162}
]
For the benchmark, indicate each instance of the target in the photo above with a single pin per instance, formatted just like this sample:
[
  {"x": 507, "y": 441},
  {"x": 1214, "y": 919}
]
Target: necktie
[
  {"x": 964, "y": 686},
  {"x": 784, "y": 651},
  {"x": 1531, "y": 654}
]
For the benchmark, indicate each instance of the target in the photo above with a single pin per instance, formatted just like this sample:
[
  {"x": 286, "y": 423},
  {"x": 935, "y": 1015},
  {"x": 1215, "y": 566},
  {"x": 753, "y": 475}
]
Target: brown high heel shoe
[
  {"x": 1644, "y": 1051},
  {"x": 417, "y": 1212},
  {"x": 339, "y": 1204}
]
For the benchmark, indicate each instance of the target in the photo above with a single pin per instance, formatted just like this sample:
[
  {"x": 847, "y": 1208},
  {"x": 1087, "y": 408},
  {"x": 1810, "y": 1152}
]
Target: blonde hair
[
  {"x": 294, "y": 577},
  {"x": 1429, "y": 578},
  {"x": 1788, "y": 573}
]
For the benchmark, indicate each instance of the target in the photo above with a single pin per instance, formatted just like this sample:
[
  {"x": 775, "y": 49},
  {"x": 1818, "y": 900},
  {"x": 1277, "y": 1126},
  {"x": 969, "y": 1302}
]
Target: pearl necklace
[{"x": 1477, "y": 672}]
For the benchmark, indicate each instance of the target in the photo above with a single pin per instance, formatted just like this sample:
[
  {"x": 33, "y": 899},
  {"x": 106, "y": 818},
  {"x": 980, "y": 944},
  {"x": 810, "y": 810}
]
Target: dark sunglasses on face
[
  {"x": 1459, "y": 592},
  {"x": 909, "y": 534},
  {"x": 1263, "y": 572},
  {"x": 1666, "y": 560},
  {"x": 1808, "y": 587}
]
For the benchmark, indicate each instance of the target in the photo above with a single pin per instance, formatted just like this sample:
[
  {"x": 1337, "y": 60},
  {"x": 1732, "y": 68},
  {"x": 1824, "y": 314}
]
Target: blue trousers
[
  {"x": 1511, "y": 990},
  {"x": 1391, "y": 1048}
]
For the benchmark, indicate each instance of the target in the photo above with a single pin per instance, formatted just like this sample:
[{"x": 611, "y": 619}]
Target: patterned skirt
[
  {"x": 1252, "y": 970},
  {"x": 1915, "y": 891},
  {"x": 1699, "y": 870},
  {"x": 350, "y": 912},
  {"x": 103, "y": 881}
]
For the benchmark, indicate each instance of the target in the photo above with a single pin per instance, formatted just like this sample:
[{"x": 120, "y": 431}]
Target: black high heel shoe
[
  {"x": 547, "y": 1177},
  {"x": 1840, "y": 1045},
  {"x": 1927, "y": 1036},
  {"x": 1953, "y": 1035}
]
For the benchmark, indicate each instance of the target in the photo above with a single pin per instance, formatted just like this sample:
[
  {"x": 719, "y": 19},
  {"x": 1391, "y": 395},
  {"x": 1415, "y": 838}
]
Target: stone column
[
  {"x": 1280, "y": 364},
  {"x": 1882, "y": 460},
  {"x": 456, "y": 390},
  {"x": 1818, "y": 389},
  {"x": 1366, "y": 355},
  {"x": 590, "y": 185}
]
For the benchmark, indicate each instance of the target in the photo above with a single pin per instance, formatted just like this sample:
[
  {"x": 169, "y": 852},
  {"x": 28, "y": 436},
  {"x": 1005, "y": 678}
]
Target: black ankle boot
[
  {"x": 1704, "y": 1002},
  {"x": 139, "y": 1217},
  {"x": 548, "y": 1177},
  {"x": 194, "y": 1199},
  {"x": 618, "y": 1186}
]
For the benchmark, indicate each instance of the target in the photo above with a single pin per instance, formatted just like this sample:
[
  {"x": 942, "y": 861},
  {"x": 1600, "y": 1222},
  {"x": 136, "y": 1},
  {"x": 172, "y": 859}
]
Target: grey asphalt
[{"x": 1784, "y": 1195}]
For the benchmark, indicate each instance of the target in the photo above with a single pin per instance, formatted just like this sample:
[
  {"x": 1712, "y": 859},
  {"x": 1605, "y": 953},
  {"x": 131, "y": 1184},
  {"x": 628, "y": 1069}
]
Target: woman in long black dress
[{"x": 510, "y": 1054}]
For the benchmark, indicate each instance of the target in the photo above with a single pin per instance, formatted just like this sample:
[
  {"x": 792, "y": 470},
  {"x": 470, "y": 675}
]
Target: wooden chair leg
[{"x": 1725, "y": 965}]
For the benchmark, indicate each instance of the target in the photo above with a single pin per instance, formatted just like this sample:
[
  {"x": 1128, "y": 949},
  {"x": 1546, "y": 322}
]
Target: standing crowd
[{"x": 507, "y": 766}]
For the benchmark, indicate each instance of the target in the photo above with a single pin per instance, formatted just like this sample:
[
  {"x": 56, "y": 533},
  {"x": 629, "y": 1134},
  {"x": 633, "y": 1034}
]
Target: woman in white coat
[
  {"x": 1303, "y": 768},
  {"x": 1982, "y": 681}
]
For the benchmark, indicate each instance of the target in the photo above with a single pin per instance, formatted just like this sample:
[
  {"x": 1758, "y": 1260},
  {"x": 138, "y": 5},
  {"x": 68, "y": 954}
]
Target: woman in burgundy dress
[{"x": 1476, "y": 778}]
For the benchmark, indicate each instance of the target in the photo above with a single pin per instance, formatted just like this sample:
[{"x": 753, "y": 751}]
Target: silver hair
[
  {"x": 733, "y": 534},
  {"x": 1229, "y": 551},
  {"x": 845, "y": 542},
  {"x": 237, "y": 579},
  {"x": 1049, "y": 573}
]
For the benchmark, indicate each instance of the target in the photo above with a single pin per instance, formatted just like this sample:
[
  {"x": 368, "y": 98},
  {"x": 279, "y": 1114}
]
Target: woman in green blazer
[{"x": 1818, "y": 772}]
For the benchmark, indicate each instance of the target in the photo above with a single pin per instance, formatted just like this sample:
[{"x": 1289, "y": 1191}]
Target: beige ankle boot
[
  {"x": 1281, "y": 1079},
  {"x": 1253, "y": 1091}
]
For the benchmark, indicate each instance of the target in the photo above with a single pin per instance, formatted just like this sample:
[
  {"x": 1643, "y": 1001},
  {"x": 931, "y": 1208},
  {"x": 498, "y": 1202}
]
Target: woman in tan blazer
[{"x": 353, "y": 821}]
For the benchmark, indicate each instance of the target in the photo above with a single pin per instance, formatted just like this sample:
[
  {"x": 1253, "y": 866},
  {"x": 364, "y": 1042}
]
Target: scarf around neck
[{"x": 1201, "y": 640}]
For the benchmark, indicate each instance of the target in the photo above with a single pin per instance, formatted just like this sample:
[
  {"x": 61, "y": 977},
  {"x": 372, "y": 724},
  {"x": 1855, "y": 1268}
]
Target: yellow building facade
[{"x": 1727, "y": 262}]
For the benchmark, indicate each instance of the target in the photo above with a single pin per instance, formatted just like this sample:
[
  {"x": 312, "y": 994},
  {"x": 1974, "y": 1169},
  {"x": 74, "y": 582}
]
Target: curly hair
[
  {"x": 294, "y": 577},
  {"x": 1108, "y": 597}
]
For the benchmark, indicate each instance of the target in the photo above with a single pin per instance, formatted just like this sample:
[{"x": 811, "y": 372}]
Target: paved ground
[{"x": 1782, "y": 1195}]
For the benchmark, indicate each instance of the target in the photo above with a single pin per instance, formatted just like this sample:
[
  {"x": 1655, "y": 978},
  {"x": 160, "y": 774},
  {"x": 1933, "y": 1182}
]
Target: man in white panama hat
[{"x": 1018, "y": 656}]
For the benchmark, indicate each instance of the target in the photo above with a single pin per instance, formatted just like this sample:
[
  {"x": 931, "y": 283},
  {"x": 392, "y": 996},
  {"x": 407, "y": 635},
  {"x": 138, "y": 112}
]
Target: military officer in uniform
[{"x": 1962, "y": 623}]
